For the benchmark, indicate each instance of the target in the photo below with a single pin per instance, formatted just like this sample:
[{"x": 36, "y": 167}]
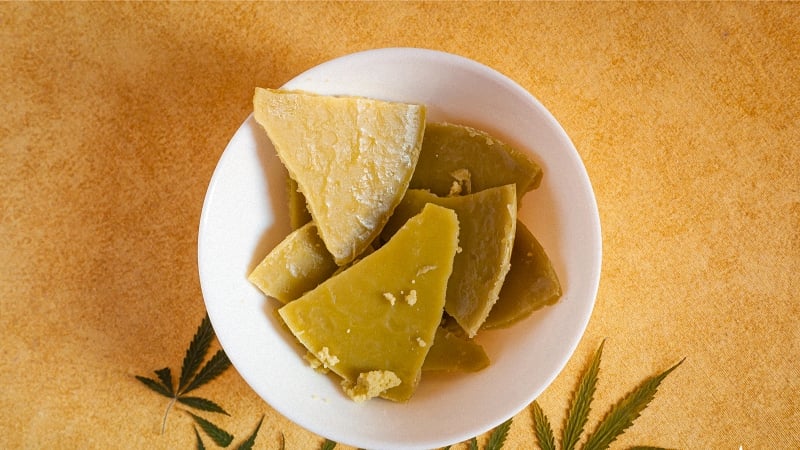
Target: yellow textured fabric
[{"x": 113, "y": 117}]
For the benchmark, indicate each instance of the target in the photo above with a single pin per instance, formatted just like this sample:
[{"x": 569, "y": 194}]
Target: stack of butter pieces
[{"x": 406, "y": 241}]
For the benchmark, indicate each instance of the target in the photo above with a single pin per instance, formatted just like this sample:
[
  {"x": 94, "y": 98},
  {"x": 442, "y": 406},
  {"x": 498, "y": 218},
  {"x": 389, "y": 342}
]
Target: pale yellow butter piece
[
  {"x": 351, "y": 157},
  {"x": 350, "y": 317},
  {"x": 296, "y": 265},
  {"x": 454, "y": 352},
  {"x": 370, "y": 384}
]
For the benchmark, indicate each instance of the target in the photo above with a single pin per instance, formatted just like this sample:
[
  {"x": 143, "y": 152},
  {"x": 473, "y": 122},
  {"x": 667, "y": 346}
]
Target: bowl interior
[{"x": 244, "y": 216}]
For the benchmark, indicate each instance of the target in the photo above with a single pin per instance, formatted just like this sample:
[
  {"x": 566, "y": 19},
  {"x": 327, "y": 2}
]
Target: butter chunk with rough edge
[
  {"x": 454, "y": 352},
  {"x": 296, "y": 265},
  {"x": 370, "y": 384},
  {"x": 352, "y": 159},
  {"x": 487, "y": 221},
  {"x": 350, "y": 315},
  {"x": 457, "y": 159},
  {"x": 531, "y": 283}
]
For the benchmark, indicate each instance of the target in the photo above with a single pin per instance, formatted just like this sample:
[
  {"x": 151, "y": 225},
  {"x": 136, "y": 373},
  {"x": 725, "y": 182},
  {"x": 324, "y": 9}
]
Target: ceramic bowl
[{"x": 245, "y": 215}]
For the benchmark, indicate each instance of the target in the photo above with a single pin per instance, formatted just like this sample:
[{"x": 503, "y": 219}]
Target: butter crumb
[
  {"x": 455, "y": 189},
  {"x": 459, "y": 249},
  {"x": 411, "y": 298},
  {"x": 462, "y": 183},
  {"x": 421, "y": 342},
  {"x": 425, "y": 269},
  {"x": 389, "y": 296},
  {"x": 370, "y": 384},
  {"x": 315, "y": 363},
  {"x": 326, "y": 358}
]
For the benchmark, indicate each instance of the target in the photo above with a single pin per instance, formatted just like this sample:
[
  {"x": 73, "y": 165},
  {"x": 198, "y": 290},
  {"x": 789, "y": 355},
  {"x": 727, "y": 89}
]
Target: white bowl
[{"x": 245, "y": 215}]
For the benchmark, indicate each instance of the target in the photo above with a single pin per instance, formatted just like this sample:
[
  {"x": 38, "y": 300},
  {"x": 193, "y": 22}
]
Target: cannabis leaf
[
  {"x": 496, "y": 439},
  {"x": 196, "y": 352},
  {"x": 618, "y": 419},
  {"x": 213, "y": 368},
  {"x": 498, "y": 436},
  {"x": 251, "y": 440},
  {"x": 200, "y": 445},
  {"x": 217, "y": 434},
  {"x": 578, "y": 413},
  {"x": 328, "y": 445},
  {"x": 622, "y": 414},
  {"x": 155, "y": 385},
  {"x": 192, "y": 374},
  {"x": 202, "y": 404},
  {"x": 542, "y": 429}
]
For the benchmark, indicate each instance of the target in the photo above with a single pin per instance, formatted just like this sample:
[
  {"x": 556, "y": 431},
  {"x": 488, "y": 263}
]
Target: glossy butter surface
[{"x": 382, "y": 312}]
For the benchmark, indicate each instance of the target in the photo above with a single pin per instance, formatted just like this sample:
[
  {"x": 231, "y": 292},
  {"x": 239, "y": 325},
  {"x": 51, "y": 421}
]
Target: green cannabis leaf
[
  {"x": 222, "y": 437},
  {"x": 217, "y": 434},
  {"x": 618, "y": 419},
  {"x": 213, "y": 368},
  {"x": 251, "y": 440},
  {"x": 624, "y": 412},
  {"x": 328, "y": 445},
  {"x": 195, "y": 374},
  {"x": 496, "y": 439},
  {"x": 202, "y": 404},
  {"x": 578, "y": 413},
  {"x": 196, "y": 352},
  {"x": 192, "y": 374},
  {"x": 498, "y": 436},
  {"x": 542, "y": 429},
  {"x": 200, "y": 445}
]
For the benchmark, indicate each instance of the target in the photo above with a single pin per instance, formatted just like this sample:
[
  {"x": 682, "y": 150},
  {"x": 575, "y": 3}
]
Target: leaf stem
[{"x": 166, "y": 412}]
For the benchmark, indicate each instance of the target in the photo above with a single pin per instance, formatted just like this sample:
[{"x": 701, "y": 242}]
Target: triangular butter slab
[
  {"x": 532, "y": 282},
  {"x": 296, "y": 265},
  {"x": 381, "y": 314},
  {"x": 352, "y": 158}
]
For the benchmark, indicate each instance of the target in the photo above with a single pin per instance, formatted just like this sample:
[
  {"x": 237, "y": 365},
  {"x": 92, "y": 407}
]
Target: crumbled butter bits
[
  {"x": 370, "y": 384},
  {"x": 421, "y": 342},
  {"x": 462, "y": 183},
  {"x": 315, "y": 363},
  {"x": 411, "y": 297},
  {"x": 455, "y": 189},
  {"x": 325, "y": 357},
  {"x": 389, "y": 296}
]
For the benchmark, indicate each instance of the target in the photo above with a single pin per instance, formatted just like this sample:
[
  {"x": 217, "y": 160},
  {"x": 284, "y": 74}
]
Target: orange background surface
[{"x": 113, "y": 117}]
